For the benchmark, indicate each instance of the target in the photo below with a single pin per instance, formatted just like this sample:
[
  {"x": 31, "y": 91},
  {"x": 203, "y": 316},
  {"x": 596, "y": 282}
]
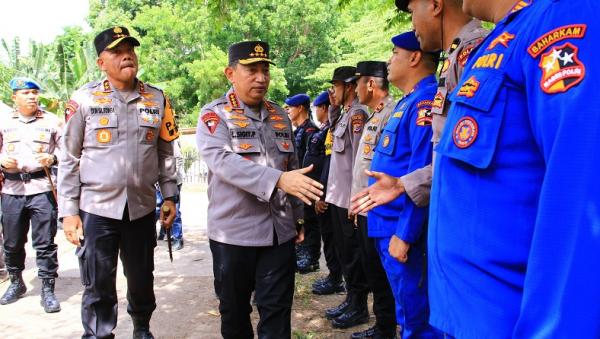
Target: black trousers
[
  {"x": 105, "y": 240},
  {"x": 331, "y": 257},
  {"x": 349, "y": 254},
  {"x": 312, "y": 235},
  {"x": 269, "y": 271},
  {"x": 383, "y": 299},
  {"x": 18, "y": 211}
]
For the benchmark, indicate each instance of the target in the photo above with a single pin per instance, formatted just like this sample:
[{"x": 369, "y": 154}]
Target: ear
[
  {"x": 229, "y": 73},
  {"x": 415, "y": 58},
  {"x": 437, "y": 7},
  {"x": 370, "y": 85},
  {"x": 100, "y": 63}
]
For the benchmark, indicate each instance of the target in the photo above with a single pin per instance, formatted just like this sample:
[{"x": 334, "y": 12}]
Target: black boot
[
  {"x": 15, "y": 290},
  {"x": 141, "y": 327},
  {"x": 49, "y": 301}
]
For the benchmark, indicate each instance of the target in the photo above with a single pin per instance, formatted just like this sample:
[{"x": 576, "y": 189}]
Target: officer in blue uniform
[
  {"x": 399, "y": 227},
  {"x": 515, "y": 253},
  {"x": 319, "y": 153},
  {"x": 307, "y": 252}
]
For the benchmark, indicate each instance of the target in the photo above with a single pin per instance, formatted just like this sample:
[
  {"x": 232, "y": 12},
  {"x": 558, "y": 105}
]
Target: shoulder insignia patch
[
  {"x": 463, "y": 55},
  {"x": 469, "y": 88},
  {"x": 561, "y": 69},
  {"x": 554, "y": 36},
  {"x": 502, "y": 39},
  {"x": 70, "y": 109},
  {"x": 424, "y": 117},
  {"x": 358, "y": 122},
  {"x": 438, "y": 101},
  {"x": 168, "y": 129},
  {"x": 386, "y": 141},
  {"x": 211, "y": 120},
  {"x": 465, "y": 132},
  {"x": 425, "y": 103}
]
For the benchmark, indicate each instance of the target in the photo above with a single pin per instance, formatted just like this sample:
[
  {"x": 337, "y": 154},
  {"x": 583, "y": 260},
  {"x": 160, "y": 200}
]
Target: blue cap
[
  {"x": 297, "y": 100},
  {"x": 407, "y": 41},
  {"x": 321, "y": 99},
  {"x": 23, "y": 83}
]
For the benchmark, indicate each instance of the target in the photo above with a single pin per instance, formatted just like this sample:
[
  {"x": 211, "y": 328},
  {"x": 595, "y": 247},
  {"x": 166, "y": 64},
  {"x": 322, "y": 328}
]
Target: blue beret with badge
[
  {"x": 407, "y": 41},
  {"x": 322, "y": 99},
  {"x": 23, "y": 83},
  {"x": 298, "y": 100}
]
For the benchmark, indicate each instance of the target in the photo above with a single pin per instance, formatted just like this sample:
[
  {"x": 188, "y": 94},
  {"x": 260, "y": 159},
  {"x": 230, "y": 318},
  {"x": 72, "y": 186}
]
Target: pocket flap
[
  {"x": 245, "y": 145},
  {"x": 285, "y": 145}
]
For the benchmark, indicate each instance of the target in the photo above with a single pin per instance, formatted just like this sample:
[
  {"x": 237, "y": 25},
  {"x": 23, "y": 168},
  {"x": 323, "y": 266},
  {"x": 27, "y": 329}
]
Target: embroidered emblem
[
  {"x": 386, "y": 141},
  {"x": 211, "y": 120},
  {"x": 100, "y": 94},
  {"x": 245, "y": 147},
  {"x": 445, "y": 66},
  {"x": 268, "y": 106},
  {"x": 150, "y": 104},
  {"x": 237, "y": 116},
  {"x": 357, "y": 123},
  {"x": 276, "y": 118},
  {"x": 227, "y": 108},
  {"x": 104, "y": 121},
  {"x": 39, "y": 148},
  {"x": 367, "y": 149},
  {"x": 233, "y": 100},
  {"x": 491, "y": 60},
  {"x": 379, "y": 107},
  {"x": 147, "y": 95},
  {"x": 554, "y": 36},
  {"x": 465, "y": 132},
  {"x": 279, "y": 126},
  {"x": 106, "y": 86},
  {"x": 70, "y": 109},
  {"x": 11, "y": 147},
  {"x": 561, "y": 69},
  {"x": 285, "y": 145},
  {"x": 150, "y": 135},
  {"x": 438, "y": 101},
  {"x": 520, "y": 5},
  {"x": 424, "y": 117},
  {"x": 469, "y": 88},
  {"x": 103, "y": 136},
  {"x": 502, "y": 39},
  {"x": 241, "y": 124},
  {"x": 103, "y": 101},
  {"x": 368, "y": 137},
  {"x": 463, "y": 56}
]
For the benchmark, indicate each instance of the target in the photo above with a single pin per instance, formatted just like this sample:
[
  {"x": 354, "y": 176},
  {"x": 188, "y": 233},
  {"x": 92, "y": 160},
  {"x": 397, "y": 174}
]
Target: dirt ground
[{"x": 187, "y": 306}]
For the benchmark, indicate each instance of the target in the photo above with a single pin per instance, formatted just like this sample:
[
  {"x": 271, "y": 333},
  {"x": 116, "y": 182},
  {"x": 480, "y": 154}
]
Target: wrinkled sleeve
[
  {"x": 71, "y": 145},
  {"x": 417, "y": 185},
  {"x": 412, "y": 219},
  {"x": 561, "y": 291},
  {"x": 215, "y": 149}
]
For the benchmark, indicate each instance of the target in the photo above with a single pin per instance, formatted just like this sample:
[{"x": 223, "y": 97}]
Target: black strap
[{"x": 24, "y": 176}]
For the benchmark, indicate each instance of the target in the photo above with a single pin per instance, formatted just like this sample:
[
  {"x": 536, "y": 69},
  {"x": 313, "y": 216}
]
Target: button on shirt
[{"x": 514, "y": 228}]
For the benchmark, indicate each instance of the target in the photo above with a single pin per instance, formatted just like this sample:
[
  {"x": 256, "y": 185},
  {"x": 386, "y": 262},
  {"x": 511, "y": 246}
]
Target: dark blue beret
[
  {"x": 322, "y": 99},
  {"x": 23, "y": 83},
  {"x": 407, "y": 41},
  {"x": 297, "y": 100}
]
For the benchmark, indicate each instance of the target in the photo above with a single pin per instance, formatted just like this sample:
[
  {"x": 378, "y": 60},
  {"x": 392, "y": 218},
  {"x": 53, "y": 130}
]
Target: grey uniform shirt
[
  {"x": 246, "y": 152},
  {"x": 418, "y": 183},
  {"x": 22, "y": 138},
  {"x": 368, "y": 141},
  {"x": 346, "y": 137},
  {"x": 114, "y": 150}
]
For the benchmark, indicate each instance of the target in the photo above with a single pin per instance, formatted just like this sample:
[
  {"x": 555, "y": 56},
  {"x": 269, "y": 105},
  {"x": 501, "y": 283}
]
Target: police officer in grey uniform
[
  {"x": 255, "y": 192},
  {"x": 346, "y": 136},
  {"x": 28, "y": 142},
  {"x": 373, "y": 90},
  {"x": 117, "y": 143},
  {"x": 446, "y": 27}
]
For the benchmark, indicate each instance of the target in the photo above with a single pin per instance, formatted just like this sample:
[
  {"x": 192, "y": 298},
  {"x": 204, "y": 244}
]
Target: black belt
[{"x": 24, "y": 176}]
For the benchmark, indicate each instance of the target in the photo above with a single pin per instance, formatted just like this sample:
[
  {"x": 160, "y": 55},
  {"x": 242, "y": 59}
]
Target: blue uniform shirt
[
  {"x": 514, "y": 229},
  {"x": 404, "y": 146}
]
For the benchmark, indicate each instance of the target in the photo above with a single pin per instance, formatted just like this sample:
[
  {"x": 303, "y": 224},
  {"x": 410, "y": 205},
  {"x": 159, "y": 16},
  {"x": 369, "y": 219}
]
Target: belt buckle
[{"x": 25, "y": 176}]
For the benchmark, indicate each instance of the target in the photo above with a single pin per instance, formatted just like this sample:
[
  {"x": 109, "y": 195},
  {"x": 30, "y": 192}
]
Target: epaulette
[
  {"x": 91, "y": 84},
  {"x": 213, "y": 104},
  {"x": 153, "y": 86}
]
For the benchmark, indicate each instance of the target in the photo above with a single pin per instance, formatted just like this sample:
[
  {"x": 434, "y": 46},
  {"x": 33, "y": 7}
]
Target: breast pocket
[
  {"x": 101, "y": 130},
  {"x": 473, "y": 126},
  {"x": 387, "y": 140},
  {"x": 339, "y": 144},
  {"x": 245, "y": 140},
  {"x": 148, "y": 128},
  {"x": 41, "y": 141}
]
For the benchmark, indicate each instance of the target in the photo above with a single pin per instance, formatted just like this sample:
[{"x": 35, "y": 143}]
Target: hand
[
  {"x": 321, "y": 206},
  {"x": 45, "y": 159},
  {"x": 300, "y": 235},
  {"x": 399, "y": 249},
  {"x": 73, "y": 229},
  {"x": 299, "y": 185},
  {"x": 9, "y": 163},
  {"x": 384, "y": 190},
  {"x": 167, "y": 214}
]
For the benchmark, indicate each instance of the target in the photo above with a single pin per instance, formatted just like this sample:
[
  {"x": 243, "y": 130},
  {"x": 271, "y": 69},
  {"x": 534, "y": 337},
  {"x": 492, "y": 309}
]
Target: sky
[{"x": 40, "y": 20}]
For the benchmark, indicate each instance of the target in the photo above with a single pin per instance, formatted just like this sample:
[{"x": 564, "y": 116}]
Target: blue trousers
[
  {"x": 177, "y": 228},
  {"x": 409, "y": 286}
]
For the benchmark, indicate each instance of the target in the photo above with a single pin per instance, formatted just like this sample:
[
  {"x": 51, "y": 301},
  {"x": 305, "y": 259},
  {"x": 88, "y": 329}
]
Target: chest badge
[
  {"x": 245, "y": 147},
  {"x": 469, "y": 88},
  {"x": 241, "y": 124},
  {"x": 465, "y": 132},
  {"x": 103, "y": 136},
  {"x": 285, "y": 145},
  {"x": 104, "y": 121},
  {"x": 367, "y": 149},
  {"x": 386, "y": 141},
  {"x": 561, "y": 69},
  {"x": 279, "y": 126},
  {"x": 11, "y": 147}
]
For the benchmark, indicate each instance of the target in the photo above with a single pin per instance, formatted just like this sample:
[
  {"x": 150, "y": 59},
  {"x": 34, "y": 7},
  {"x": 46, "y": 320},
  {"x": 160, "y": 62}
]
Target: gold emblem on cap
[
  {"x": 118, "y": 30},
  {"x": 259, "y": 51},
  {"x": 20, "y": 83}
]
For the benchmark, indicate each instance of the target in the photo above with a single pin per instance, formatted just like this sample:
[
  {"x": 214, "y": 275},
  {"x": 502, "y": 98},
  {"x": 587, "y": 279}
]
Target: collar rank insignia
[
  {"x": 233, "y": 101},
  {"x": 106, "y": 86},
  {"x": 469, "y": 88},
  {"x": 561, "y": 69}
]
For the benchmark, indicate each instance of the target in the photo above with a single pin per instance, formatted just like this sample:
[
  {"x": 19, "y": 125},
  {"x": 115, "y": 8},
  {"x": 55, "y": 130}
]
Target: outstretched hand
[
  {"x": 299, "y": 185},
  {"x": 385, "y": 189}
]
